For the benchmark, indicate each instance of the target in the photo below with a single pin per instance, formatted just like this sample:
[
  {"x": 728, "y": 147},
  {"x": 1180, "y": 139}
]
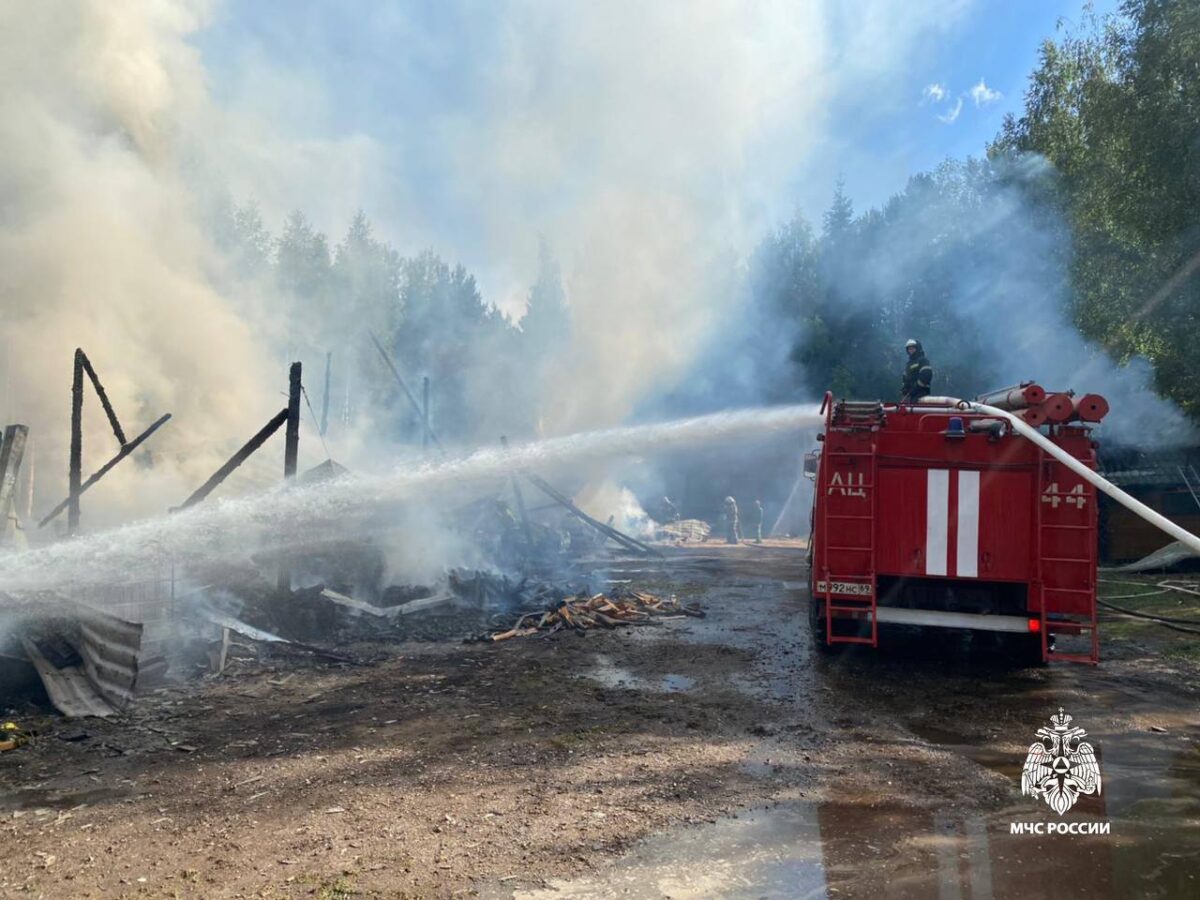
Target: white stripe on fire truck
[
  {"x": 937, "y": 524},
  {"x": 968, "y": 525}
]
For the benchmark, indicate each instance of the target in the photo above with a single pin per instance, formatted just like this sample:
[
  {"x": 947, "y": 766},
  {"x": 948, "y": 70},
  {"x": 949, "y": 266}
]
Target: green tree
[{"x": 1115, "y": 110}]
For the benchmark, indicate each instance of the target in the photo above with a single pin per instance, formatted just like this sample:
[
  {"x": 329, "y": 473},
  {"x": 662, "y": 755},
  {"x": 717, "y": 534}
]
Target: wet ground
[
  {"x": 720, "y": 757},
  {"x": 970, "y": 722}
]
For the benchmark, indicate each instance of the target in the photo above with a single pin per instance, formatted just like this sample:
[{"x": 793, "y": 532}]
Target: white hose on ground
[{"x": 1138, "y": 508}]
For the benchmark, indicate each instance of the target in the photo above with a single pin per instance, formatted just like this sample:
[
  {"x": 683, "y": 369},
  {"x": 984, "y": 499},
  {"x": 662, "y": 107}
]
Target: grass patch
[
  {"x": 1184, "y": 651},
  {"x": 1142, "y": 593}
]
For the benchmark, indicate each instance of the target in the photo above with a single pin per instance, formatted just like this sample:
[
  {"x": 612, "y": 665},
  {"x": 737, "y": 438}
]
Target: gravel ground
[{"x": 550, "y": 765}]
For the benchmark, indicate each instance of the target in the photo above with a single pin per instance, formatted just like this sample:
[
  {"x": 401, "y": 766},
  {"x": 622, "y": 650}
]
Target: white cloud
[
  {"x": 949, "y": 117},
  {"x": 983, "y": 95},
  {"x": 935, "y": 92}
]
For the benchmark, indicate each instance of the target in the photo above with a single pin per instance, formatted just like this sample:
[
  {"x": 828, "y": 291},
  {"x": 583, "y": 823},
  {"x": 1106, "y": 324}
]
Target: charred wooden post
[
  {"x": 291, "y": 447},
  {"x": 11, "y": 453},
  {"x": 290, "y": 415},
  {"x": 404, "y": 388},
  {"x": 75, "y": 466},
  {"x": 75, "y": 485},
  {"x": 236, "y": 460},
  {"x": 325, "y": 399},
  {"x": 291, "y": 453},
  {"x": 425, "y": 414},
  {"x": 516, "y": 485}
]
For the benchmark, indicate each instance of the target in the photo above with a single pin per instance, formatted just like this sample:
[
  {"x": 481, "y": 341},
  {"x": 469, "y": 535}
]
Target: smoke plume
[{"x": 99, "y": 248}]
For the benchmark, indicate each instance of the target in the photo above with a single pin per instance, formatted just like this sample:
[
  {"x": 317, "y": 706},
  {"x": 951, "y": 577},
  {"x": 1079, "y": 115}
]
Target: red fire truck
[{"x": 935, "y": 514}]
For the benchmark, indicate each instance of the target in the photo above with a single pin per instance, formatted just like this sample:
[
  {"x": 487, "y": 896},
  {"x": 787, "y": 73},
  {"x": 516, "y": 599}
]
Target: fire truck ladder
[
  {"x": 861, "y": 417},
  {"x": 1077, "y": 624},
  {"x": 858, "y": 415}
]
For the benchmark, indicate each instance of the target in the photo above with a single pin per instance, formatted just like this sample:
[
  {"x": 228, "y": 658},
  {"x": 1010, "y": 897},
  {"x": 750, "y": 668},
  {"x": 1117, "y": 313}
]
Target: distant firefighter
[
  {"x": 917, "y": 380},
  {"x": 733, "y": 528},
  {"x": 756, "y": 520}
]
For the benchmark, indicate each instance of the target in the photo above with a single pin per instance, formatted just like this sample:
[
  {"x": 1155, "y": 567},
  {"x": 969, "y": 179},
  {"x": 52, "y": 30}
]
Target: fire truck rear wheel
[
  {"x": 1026, "y": 650},
  {"x": 816, "y": 627}
]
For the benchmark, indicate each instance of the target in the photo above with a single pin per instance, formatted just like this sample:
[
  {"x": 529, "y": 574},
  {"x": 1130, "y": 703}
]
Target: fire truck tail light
[{"x": 1035, "y": 625}]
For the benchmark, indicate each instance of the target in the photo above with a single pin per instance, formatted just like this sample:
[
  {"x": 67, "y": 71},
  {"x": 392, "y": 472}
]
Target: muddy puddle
[
  {"x": 911, "y": 845},
  {"x": 830, "y": 850},
  {"x": 823, "y": 850},
  {"x": 605, "y": 672}
]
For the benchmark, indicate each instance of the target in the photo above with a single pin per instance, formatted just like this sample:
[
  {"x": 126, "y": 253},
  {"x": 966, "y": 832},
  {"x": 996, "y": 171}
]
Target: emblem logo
[{"x": 1060, "y": 765}]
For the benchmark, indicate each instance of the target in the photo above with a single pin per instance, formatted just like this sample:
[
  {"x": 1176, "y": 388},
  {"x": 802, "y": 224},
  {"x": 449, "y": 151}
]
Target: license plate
[{"x": 846, "y": 588}]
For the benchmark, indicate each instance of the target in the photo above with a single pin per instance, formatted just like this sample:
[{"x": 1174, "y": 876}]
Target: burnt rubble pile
[
  {"x": 582, "y": 612},
  {"x": 327, "y": 598}
]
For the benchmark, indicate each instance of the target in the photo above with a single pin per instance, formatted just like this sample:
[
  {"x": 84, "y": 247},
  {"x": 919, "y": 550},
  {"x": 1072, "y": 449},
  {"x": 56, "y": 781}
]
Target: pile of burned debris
[
  {"x": 492, "y": 591},
  {"x": 586, "y": 611}
]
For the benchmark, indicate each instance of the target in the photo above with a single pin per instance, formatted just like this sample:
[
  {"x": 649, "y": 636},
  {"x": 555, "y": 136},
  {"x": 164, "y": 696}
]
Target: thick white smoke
[
  {"x": 649, "y": 144},
  {"x": 99, "y": 248},
  {"x": 646, "y": 142}
]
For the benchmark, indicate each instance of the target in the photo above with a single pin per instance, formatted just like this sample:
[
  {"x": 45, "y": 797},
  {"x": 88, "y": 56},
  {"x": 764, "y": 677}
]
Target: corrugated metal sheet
[
  {"x": 1139, "y": 476},
  {"x": 97, "y": 675},
  {"x": 110, "y": 651},
  {"x": 1164, "y": 558}
]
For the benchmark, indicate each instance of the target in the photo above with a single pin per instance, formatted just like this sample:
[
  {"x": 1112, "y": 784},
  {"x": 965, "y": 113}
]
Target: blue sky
[
  {"x": 391, "y": 64},
  {"x": 996, "y": 42}
]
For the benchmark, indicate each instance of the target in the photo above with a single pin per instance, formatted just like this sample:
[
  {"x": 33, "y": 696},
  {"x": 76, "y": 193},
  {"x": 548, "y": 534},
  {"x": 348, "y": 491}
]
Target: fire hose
[{"x": 1185, "y": 537}]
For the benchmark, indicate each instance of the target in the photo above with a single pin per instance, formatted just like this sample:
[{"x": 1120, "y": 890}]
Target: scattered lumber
[
  {"x": 585, "y": 611},
  {"x": 684, "y": 531}
]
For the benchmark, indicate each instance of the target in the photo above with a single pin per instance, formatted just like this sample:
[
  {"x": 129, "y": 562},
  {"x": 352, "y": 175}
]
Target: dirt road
[{"x": 714, "y": 757}]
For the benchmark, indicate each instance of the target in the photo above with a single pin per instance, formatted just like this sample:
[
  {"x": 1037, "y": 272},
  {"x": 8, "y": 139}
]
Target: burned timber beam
[
  {"x": 75, "y": 484},
  {"x": 11, "y": 453},
  {"x": 516, "y": 486},
  {"x": 409, "y": 394},
  {"x": 103, "y": 395},
  {"x": 623, "y": 539},
  {"x": 100, "y": 473},
  {"x": 237, "y": 459},
  {"x": 291, "y": 446},
  {"x": 291, "y": 451},
  {"x": 325, "y": 398},
  {"x": 290, "y": 415},
  {"x": 75, "y": 465}
]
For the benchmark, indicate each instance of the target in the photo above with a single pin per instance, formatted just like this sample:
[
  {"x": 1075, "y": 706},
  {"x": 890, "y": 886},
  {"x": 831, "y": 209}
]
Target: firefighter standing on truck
[{"x": 918, "y": 374}]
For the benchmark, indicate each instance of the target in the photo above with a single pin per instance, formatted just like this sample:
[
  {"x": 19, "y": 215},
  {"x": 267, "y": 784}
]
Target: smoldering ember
[{"x": 530, "y": 449}]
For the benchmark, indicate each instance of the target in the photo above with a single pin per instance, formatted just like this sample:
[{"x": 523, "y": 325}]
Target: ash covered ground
[{"x": 698, "y": 757}]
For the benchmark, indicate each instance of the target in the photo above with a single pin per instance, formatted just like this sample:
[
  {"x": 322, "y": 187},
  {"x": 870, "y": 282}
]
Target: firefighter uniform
[
  {"x": 917, "y": 380},
  {"x": 733, "y": 528}
]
